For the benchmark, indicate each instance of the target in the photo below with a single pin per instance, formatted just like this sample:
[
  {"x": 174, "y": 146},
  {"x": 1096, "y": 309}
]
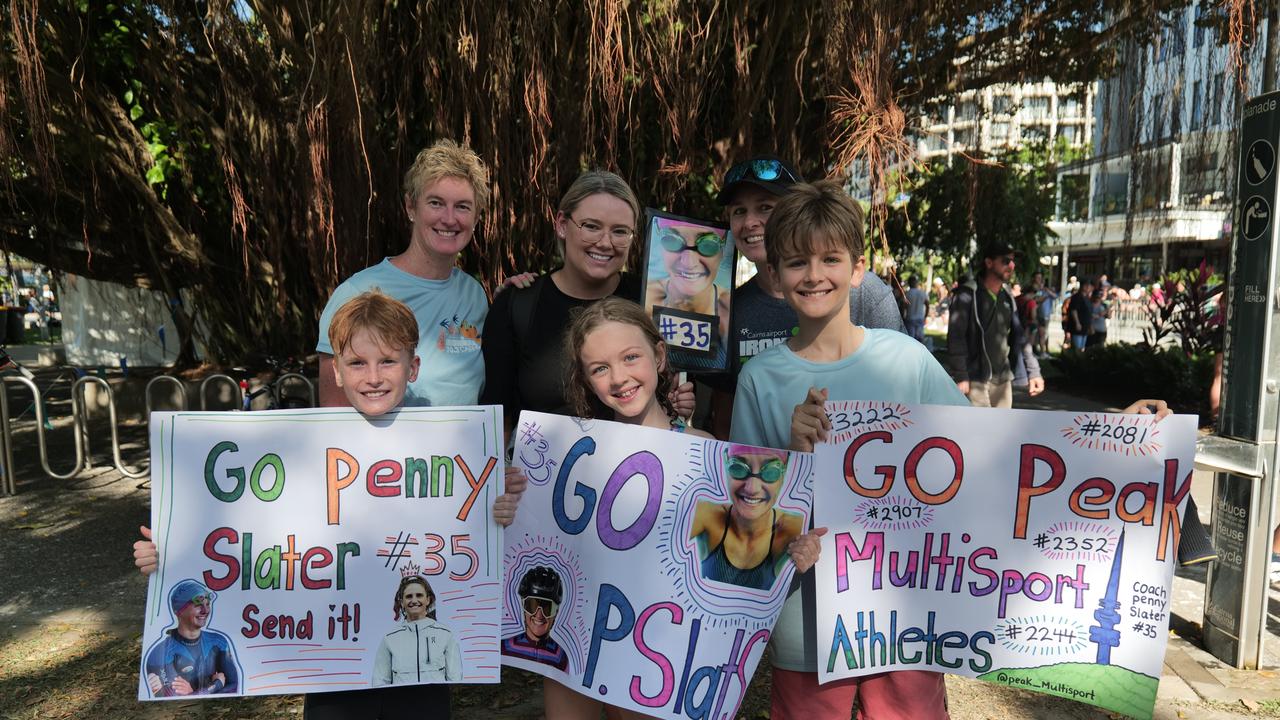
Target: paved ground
[{"x": 70, "y": 609}]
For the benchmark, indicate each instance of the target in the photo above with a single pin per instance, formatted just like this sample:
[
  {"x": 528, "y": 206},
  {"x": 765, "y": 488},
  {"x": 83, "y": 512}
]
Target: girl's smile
[{"x": 622, "y": 367}]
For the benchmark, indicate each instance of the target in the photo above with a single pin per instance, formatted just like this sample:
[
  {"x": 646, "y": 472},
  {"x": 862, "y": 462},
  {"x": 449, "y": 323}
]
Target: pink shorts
[{"x": 900, "y": 695}]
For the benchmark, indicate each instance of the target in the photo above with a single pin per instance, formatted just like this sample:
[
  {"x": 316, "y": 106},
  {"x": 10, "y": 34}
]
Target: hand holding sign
[
  {"x": 809, "y": 421},
  {"x": 805, "y": 550}
]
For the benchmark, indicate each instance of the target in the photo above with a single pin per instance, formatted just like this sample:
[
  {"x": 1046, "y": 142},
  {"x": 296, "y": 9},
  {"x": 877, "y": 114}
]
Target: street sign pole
[{"x": 1244, "y": 489}]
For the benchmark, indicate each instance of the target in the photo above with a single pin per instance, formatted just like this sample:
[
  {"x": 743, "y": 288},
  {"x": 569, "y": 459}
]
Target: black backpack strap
[{"x": 524, "y": 303}]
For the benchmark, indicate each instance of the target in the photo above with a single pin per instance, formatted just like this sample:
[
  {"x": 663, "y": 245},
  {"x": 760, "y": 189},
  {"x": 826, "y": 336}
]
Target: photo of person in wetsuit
[
  {"x": 191, "y": 659},
  {"x": 540, "y": 594},
  {"x": 745, "y": 542}
]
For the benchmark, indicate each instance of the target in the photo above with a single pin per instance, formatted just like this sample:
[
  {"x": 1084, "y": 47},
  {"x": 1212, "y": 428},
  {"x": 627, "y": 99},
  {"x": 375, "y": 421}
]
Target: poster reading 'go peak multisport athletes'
[
  {"x": 627, "y": 576},
  {"x": 1028, "y": 548},
  {"x": 307, "y": 551}
]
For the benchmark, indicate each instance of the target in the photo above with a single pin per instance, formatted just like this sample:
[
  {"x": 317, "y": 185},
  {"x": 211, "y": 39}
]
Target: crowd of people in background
[{"x": 1042, "y": 310}]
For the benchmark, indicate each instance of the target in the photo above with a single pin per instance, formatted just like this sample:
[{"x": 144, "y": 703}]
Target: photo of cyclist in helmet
[{"x": 540, "y": 594}]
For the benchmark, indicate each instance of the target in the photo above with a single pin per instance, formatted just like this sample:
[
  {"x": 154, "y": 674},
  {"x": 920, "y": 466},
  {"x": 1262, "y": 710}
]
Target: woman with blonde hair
[{"x": 445, "y": 192}]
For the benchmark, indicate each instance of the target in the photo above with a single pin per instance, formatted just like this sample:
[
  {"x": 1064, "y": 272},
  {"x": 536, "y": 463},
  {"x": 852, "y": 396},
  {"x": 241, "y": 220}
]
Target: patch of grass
[
  {"x": 32, "y": 336},
  {"x": 66, "y": 672}
]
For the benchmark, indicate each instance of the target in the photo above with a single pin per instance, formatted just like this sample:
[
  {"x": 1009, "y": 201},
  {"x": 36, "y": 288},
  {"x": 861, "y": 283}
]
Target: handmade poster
[
  {"x": 688, "y": 279},
  {"x": 627, "y": 576},
  {"x": 1027, "y": 548},
  {"x": 305, "y": 551}
]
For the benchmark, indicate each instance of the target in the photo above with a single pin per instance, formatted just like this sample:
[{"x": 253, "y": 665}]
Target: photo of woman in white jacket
[{"x": 421, "y": 650}]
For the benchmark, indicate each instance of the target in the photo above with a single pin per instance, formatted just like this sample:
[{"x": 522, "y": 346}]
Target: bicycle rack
[
  {"x": 7, "y": 432},
  {"x": 80, "y": 423},
  {"x": 79, "y": 429},
  {"x": 204, "y": 405},
  {"x": 296, "y": 377},
  {"x": 111, "y": 412},
  {"x": 165, "y": 380}
]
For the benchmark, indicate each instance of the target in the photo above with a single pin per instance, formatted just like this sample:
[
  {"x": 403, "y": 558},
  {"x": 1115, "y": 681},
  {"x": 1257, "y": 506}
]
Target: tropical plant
[{"x": 1187, "y": 305}]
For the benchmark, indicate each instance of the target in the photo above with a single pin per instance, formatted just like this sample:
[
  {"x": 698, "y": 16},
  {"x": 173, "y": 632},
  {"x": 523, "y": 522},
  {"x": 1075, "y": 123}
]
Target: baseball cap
[
  {"x": 996, "y": 249},
  {"x": 183, "y": 592},
  {"x": 767, "y": 172}
]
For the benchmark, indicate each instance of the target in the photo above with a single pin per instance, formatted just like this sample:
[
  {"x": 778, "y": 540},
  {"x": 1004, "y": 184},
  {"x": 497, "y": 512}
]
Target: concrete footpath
[
  {"x": 71, "y": 605},
  {"x": 1195, "y": 684}
]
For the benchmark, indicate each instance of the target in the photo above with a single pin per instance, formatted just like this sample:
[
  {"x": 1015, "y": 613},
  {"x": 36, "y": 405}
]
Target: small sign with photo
[{"x": 688, "y": 278}]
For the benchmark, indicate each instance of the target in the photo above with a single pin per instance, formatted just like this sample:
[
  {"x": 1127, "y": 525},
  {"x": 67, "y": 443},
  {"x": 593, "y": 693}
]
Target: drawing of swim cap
[
  {"x": 186, "y": 591},
  {"x": 542, "y": 582}
]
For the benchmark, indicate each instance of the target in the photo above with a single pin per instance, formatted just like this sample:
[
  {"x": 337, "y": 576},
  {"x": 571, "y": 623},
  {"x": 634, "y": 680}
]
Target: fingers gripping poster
[
  {"x": 1028, "y": 548},
  {"x": 318, "y": 550},
  {"x": 645, "y": 567}
]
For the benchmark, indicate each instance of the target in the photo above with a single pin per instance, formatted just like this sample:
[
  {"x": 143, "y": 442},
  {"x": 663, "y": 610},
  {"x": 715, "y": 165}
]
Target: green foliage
[
  {"x": 1186, "y": 307},
  {"x": 961, "y": 205},
  {"x": 1126, "y": 372}
]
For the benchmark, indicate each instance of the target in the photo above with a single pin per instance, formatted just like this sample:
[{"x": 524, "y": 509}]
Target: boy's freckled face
[
  {"x": 372, "y": 376},
  {"x": 817, "y": 286}
]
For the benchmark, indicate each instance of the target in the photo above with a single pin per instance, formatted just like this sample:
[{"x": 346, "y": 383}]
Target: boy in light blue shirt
[
  {"x": 815, "y": 250},
  {"x": 450, "y": 315}
]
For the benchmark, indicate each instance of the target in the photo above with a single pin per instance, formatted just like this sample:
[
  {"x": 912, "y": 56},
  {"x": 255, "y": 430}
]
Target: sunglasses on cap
[
  {"x": 771, "y": 472},
  {"x": 201, "y": 600},
  {"x": 707, "y": 244},
  {"x": 766, "y": 170},
  {"x": 548, "y": 606}
]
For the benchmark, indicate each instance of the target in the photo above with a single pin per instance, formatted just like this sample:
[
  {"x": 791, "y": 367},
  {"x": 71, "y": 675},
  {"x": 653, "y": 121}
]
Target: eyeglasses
[
  {"x": 766, "y": 170},
  {"x": 771, "y": 472},
  {"x": 707, "y": 244},
  {"x": 534, "y": 603},
  {"x": 619, "y": 235}
]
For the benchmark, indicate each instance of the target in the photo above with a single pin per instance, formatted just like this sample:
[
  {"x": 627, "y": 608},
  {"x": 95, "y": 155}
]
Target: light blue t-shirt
[
  {"x": 887, "y": 366},
  {"x": 450, "y": 315}
]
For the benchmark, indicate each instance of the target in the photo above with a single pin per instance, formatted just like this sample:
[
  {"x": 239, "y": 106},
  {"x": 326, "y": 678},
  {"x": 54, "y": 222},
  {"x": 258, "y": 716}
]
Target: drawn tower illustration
[{"x": 1107, "y": 614}]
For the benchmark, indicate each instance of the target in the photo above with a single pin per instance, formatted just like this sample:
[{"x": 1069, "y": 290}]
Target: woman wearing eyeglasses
[
  {"x": 744, "y": 542},
  {"x": 525, "y": 363},
  {"x": 525, "y": 366}
]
